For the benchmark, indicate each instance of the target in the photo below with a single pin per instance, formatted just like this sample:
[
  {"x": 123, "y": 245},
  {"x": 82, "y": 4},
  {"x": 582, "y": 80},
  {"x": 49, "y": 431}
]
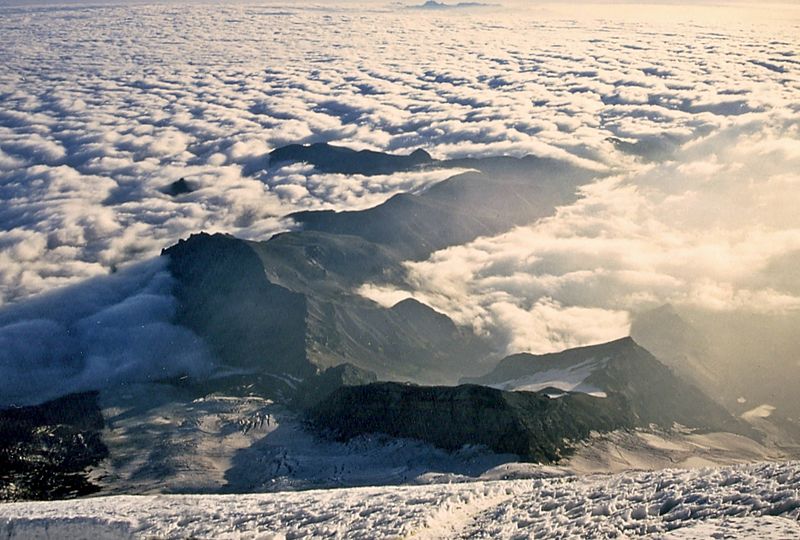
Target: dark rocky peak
[
  {"x": 225, "y": 297},
  {"x": 179, "y": 187},
  {"x": 654, "y": 393},
  {"x": 337, "y": 159}
]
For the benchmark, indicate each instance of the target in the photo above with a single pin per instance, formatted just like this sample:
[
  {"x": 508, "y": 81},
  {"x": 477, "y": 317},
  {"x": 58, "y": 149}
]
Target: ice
[{"x": 759, "y": 500}]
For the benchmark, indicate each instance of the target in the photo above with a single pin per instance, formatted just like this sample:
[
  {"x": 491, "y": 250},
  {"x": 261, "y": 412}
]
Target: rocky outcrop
[
  {"x": 531, "y": 425},
  {"x": 179, "y": 187},
  {"x": 251, "y": 324},
  {"x": 46, "y": 449},
  {"x": 276, "y": 314}
]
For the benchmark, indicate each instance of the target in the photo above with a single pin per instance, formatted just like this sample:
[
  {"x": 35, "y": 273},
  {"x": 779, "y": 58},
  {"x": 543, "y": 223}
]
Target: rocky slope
[
  {"x": 532, "y": 425},
  {"x": 286, "y": 307},
  {"x": 654, "y": 393},
  {"x": 285, "y": 327},
  {"x": 46, "y": 449}
]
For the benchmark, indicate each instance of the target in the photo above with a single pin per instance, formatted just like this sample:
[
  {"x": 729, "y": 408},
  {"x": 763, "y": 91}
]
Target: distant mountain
[
  {"x": 654, "y": 393},
  {"x": 179, "y": 187},
  {"x": 535, "y": 406},
  {"x": 502, "y": 193},
  {"x": 285, "y": 308},
  {"x": 433, "y": 5},
  {"x": 337, "y": 159},
  {"x": 300, "y": 315},
  {"x": 284, "y": 324},
  {"x": 678, "y": 344}
]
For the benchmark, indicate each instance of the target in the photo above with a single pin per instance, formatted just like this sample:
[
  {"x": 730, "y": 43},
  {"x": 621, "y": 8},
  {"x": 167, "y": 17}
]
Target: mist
[
  {"x": 106, "y": 331},
  {"x": 713, "y": 232}
]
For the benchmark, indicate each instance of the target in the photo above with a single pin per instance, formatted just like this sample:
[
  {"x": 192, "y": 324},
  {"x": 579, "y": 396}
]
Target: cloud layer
[
  {"x": 101, "y": 107},
  {"x": 712, "y": 232}
]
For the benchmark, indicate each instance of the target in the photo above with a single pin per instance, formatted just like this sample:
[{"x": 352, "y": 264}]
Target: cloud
[
  {"x": 97, "y": 116},
  {"x": 710, "y": 233},
  {"x": 105, "y": 331}
]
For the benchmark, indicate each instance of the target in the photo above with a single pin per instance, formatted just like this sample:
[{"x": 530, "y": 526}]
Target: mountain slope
[
  {"x": 263, "y": 332},
  {"x": 502, "y": 193},
  {"x": 287, "y": 306},
  {"x": 678, "y": 344},
  {"x": 655, "y": 394},
  {"x": 531, "y": 425}
]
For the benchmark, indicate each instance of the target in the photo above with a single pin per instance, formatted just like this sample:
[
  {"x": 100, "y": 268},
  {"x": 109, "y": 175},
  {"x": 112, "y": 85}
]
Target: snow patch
[
  {"x": 571, "y": 379},
  {"x": 762, "y": 411}
]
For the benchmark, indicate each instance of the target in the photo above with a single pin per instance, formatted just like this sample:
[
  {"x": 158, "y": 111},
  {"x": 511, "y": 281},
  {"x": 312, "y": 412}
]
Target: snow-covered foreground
[{"x": 755, "y": 500}]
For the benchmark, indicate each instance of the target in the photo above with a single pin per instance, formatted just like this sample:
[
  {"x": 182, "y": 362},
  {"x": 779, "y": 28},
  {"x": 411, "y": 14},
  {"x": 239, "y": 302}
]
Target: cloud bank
[
  {"x": 694, "y": 118},
  {"x": 101, "y": 107},
  {"x": 712, "y": 232},
  {"x": 105, "y": 331}
]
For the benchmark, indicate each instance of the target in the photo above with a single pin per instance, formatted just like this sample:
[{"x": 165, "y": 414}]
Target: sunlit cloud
[
  {"x": 702, "y": 232},
  {"x": 94, "y": 127}
]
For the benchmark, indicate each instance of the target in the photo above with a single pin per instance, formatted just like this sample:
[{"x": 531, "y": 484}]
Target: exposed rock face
[
  {"x": 315, "y": 389},
  {"x": 531, "y": 425},
  {"x": 288, "y": 307},
  {"x": 229, "y": 294},
  {"x": 45, "y": 449},
  {"x": 226, "y": 298},
  {"x": 179, "y": 187},
  {"x": 619, "y": 385},
  {"x": 504, "y": 193},
  {"x": 654, "y": 393}
]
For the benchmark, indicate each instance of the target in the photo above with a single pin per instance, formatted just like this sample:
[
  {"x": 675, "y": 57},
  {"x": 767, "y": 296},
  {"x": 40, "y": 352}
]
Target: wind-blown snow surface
[{"x": 757, "y": 500}]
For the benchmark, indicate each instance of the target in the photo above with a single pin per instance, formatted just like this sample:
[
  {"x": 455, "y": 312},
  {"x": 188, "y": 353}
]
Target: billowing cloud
[
  {"x": 709, "y": 232},
  {"x": 105, "y": 331},
  {"x": 97, "y": 115}
]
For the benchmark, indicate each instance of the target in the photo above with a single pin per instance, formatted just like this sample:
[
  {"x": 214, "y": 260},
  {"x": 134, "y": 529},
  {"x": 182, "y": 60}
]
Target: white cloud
[
  {"x": 702, "y": 233},
  {"x": 97, "y": 116}
]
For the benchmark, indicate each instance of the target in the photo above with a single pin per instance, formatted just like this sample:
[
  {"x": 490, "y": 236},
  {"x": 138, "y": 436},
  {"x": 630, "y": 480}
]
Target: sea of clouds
[
  {"x": 692, "y": 120},
  {"x": 715, "y": 231}
]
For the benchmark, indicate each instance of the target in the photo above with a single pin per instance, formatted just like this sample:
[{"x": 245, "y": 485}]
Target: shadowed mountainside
[
  {"x": 286, "y": 307},
  {"x": 655, "y": 394},
  {"x": 337, "y": 159},
  {"x": 531, "y": 425},
  {"x": 502, "y": 193}
]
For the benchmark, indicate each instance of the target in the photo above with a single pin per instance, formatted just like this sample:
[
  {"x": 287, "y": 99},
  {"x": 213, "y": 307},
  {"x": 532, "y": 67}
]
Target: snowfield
[
  {"x": 748, "y": 501},
  {"x": 570, "y": 379}
]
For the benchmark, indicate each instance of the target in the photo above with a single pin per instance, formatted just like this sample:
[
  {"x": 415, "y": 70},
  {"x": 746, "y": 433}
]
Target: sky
[{"x": 689, "y": 114}]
